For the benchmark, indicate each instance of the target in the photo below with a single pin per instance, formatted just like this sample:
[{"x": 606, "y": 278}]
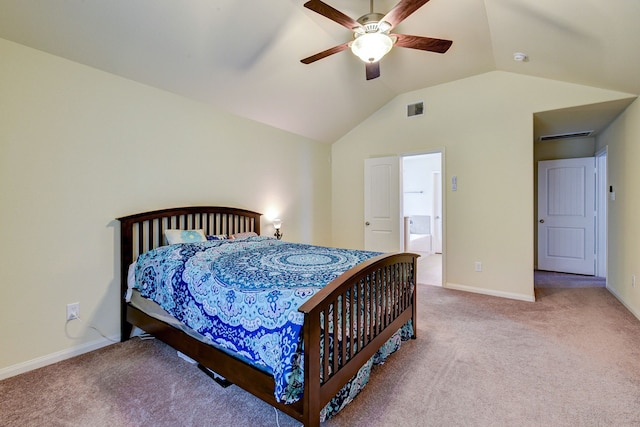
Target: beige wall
[
  {"x": 484, "y": 124},
  {"x": 622, "y": 140},
  {"x": 564, "y": 149},
  {"x": 78, "y": 148}
]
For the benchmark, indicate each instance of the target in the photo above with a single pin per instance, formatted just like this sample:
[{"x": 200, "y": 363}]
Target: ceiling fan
[{"x": 372, "y": 37}]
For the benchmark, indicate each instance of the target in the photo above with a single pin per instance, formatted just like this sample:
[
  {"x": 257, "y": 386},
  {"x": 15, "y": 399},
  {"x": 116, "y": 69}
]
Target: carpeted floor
[
  {"x": 552, "y": 279},
  {"x": 569, "y": 359}
]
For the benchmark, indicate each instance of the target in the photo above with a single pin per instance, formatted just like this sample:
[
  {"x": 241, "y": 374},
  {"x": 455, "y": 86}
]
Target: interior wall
[
  {"x": 484, "y": 125},
  {"x": 623, "y": 226},
  {"x": 556, "y": 150},
  {"x": 79, "y": 148},
  {"x": 417, "y": 178}
]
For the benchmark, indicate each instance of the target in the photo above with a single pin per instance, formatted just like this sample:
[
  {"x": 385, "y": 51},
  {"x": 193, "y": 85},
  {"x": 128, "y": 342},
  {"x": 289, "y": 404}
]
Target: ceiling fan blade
[
  {"x": 402, "y": 10},
  {"x": 325, "y": 53},
  {"x": 373, "y": 70},
  {"x": 422, "y": 43},
  {"x": 331, "y": 13}
]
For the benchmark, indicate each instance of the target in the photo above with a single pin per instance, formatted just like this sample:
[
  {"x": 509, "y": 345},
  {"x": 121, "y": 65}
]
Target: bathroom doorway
[{"x": 422, "y": 211}]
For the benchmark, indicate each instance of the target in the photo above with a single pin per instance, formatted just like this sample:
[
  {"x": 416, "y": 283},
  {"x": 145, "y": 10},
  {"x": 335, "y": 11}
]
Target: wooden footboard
[{"x": 360, "y": 310}]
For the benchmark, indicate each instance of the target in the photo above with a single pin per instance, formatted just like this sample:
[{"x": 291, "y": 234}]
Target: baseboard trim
[
  {"x": 491, "y": 292},
  {"x": 58, "y": 356},
  {"x": 623, "y": 302}
]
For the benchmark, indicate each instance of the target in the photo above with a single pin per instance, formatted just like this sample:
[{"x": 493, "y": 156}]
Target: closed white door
[
  {"x": 566, "y": 215},
  {"x": 382, "y": 204}
]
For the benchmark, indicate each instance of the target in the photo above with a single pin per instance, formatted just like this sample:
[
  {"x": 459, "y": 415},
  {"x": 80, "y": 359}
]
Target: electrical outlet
[
  {"x": 73, "y": 311},
  {"x": 478, "y": 266},
  {"x": 633, "y": 280}
]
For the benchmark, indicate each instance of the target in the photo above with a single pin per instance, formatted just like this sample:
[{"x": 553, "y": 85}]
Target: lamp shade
[
  {"x": 277, "y": 223},
  {"x": 371, "y": 47}
]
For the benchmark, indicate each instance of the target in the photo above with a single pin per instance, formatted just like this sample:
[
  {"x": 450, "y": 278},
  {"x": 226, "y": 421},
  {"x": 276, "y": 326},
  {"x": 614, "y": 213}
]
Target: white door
[
  {"x": 566, "y": 215},
  {"x": 382, "y": 203}
]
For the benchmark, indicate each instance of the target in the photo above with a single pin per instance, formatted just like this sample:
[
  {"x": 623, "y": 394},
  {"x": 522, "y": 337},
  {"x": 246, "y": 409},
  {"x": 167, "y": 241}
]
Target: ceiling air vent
[
  {"x": 582, "y": 134},
  {"x": 416, "y": 109}
]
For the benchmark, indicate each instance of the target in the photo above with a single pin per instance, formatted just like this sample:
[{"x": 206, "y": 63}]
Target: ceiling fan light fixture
[
  {"x": 372, "y": 37},
  {"x": 371, "y": 47}
]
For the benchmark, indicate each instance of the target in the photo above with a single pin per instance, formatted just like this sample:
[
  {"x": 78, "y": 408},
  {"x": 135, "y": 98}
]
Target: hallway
[{"x": 430, "y": 273}]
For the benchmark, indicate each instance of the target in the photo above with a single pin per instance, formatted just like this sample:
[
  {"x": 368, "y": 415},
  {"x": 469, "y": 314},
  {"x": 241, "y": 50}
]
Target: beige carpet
[
  {"x": 552, "y": 279},
  {"x": 569, "y": 359}
]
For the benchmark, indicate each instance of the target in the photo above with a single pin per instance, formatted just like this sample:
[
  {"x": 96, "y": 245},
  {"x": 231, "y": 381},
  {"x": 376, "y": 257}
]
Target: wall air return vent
[
  {"x": 582, "y": 134},
  {"x": 416, "y": 109}
]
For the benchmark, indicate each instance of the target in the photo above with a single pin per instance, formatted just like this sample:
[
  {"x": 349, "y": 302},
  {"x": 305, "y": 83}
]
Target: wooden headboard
[{"x": 142, "y": 232}]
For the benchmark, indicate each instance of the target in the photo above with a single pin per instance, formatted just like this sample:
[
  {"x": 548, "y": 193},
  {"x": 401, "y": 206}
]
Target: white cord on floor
[
  {"x": 90, "y": 327},
  {"x": 277, "y": 421}
]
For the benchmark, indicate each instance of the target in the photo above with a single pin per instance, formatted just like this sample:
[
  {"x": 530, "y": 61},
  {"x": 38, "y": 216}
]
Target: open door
[
  {"x": 382, "y": 205},
  {"x": 566, "y": 215}
]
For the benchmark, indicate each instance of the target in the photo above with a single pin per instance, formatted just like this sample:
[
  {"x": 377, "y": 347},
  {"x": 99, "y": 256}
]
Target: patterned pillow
[
  {"x": 184, "y": 236},
  {"x": 217, "y": 237}
]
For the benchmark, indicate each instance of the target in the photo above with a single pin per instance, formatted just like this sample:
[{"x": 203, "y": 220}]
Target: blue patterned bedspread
[{"x": 243, "y": 295}]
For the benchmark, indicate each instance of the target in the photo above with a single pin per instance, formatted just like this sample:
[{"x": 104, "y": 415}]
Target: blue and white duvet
[{"x": 243, "y": 295}]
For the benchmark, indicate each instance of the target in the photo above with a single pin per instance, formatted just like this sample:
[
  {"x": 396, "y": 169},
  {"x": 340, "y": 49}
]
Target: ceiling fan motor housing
[{"x": 372, "y": 23}]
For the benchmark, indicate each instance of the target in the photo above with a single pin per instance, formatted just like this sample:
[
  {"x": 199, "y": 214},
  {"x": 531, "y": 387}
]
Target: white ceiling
[{"x": 244, "y": 56}]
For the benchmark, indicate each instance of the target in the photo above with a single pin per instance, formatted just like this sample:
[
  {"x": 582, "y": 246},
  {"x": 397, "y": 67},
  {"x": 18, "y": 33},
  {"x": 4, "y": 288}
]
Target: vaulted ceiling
[{"x": 244, "y": 56}]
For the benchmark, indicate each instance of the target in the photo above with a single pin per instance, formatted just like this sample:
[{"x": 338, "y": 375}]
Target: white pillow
[{"x": 184, "y": 236}]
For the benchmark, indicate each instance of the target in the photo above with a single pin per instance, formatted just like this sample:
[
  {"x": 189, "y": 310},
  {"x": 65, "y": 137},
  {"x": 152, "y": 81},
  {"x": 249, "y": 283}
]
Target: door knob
[
  {"x": 367, "y": 223},
  {"x": 542, "y": 221}
]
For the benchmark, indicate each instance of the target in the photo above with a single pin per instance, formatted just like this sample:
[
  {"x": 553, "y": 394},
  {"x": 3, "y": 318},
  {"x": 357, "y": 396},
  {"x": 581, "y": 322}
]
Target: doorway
[
  {"x": 566, "y": 215},
  {"x": 422, "y": 213},
  {"x": 577, "y": 148}
]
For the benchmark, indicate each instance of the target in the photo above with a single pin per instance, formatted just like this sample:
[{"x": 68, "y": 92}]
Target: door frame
[{"x": 602, "y": 203}]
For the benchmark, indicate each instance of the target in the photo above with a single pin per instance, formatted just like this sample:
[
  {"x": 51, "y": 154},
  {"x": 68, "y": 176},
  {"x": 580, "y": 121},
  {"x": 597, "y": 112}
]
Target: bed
[{"x": 363, "y": 308}]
